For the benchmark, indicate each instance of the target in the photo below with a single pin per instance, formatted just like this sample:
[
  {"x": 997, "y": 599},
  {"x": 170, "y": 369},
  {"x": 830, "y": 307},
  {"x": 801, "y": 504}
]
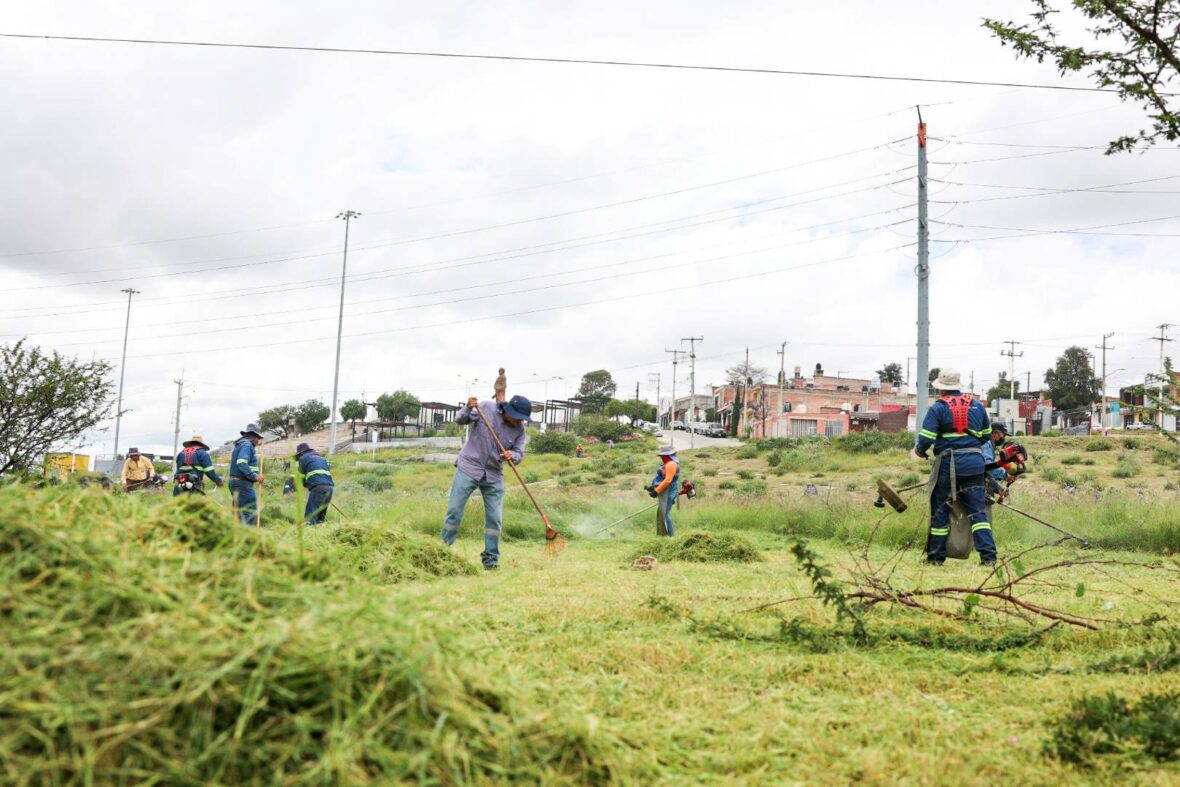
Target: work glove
[
  {"x": 915, "y": 455},
  {"x": 651, "y": 491}
]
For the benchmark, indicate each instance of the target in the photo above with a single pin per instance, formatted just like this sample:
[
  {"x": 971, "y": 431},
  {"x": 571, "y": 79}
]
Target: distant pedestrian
[
  {"x": 245, "y": 474},
  {"x": 501, "y": 388},
  {"x": 193, "y": 466},
  {"x": 317, "y": 479},
  {"x": 480, "y": 467},
  {"x": 138, "y": 471},
  {"x": 665, "y": 486}
]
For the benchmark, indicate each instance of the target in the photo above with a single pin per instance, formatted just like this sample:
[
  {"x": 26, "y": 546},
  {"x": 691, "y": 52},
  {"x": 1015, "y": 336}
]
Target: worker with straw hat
[
  {"x": 480, "y": 467},
  {"x": 138, "y": 471},
  {"x": 193, "y": 466},
  {"x": 244, "y": 474},
  {"x": 956, "y": 426},
  {"x": 665, "y": 486}
]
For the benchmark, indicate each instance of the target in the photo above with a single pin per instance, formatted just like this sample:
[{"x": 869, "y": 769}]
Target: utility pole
[
  {"x": 672, "y": 410},
  {"x": 637, "y": 390},
  {"x": 923, "y": 279},
  {"x": 348, "y": 216},
  {"x": 908, "y": 358},
  {"x": 782, "y": 379},
  {"x": 176, "y": 430},
  {"x": 972, "y": 388},
  {"x": 1012, "y": 356},
  {"x": 123, "y": 368},
  {"x": 657, "y": 376},
  {"x": 1102, "y": 397},
  {"x": 1162, "y": 338},
  {"x": 1028, "y": 381},
  {"x": 692, "y": 380},
  {"x": 745, "y": 394}
]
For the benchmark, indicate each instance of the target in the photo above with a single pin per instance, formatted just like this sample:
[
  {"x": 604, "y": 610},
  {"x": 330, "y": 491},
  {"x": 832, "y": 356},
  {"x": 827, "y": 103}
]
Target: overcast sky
[{"x": 551, "y": 218}]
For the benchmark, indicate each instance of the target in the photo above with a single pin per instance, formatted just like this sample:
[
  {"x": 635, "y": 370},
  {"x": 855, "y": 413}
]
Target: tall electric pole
[
  {"x": 176, "y": 430},
  {"x": 348, "y": 216},
  {"x": 1102, "y": 397},
  {"x": 672, "y": 410},
  {"x": 692, "y": 380},
  {"x": 782, "y": 380},
  {"x": 923, "y": 280},
  {"x": 1162, "y": 338},
  {"x": 656, "y": 375},
  {"x": 1012, "y": 356},
  {"x": 745, "y": 394},
  {"x": 123, "y": 369}
]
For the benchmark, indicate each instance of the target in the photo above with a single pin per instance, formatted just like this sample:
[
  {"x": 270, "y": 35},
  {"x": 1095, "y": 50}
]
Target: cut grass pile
[
  {"x": 147, "y": 642},
  {"x": 703, "y": 548}
]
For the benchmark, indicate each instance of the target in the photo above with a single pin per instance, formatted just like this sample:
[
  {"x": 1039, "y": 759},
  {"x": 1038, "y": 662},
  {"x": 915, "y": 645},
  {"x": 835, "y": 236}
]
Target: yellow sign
[{"x": 64, "y": 464}]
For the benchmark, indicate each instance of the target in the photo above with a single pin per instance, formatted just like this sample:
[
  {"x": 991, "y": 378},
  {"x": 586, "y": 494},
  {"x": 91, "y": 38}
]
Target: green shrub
[
  {"x": 727, "y": 484},
  {"x": 1127, "y": 467},
  {"x": 709, "y": 472},
  {"x": 753, "y": 487},
  {"x": 551, "y": 442},
  {"x": 531, "y": 476},
  {"x": 1051, "y": 433},
  {"x": 874, "y": 442},
  {"x": 1099, "y": 444},
  {"x": 374, "y": 479},
  {"x": 909, "y": 479},
  {"x": 1071, "y": 459},
  {"x": 1119, "y": 727},
  {"x": 774, "y": 459},
  {"x": 745, "y": 475},
  {"x": 602, "y": 428},
  {"x": 748, "y": 451},
  {"x": 1167, "y": 455}
]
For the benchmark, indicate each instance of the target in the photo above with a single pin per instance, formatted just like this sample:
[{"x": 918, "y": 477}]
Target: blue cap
[{"x": 518, "y": 407}]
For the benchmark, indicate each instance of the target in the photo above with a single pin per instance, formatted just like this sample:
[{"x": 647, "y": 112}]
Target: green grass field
[{"x": 152, "y": 642}]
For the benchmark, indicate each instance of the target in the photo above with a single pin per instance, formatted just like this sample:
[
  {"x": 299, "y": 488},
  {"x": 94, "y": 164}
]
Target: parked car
[
  {"x": 679, "y": 425},
  {"x": 715, "y": 430}
]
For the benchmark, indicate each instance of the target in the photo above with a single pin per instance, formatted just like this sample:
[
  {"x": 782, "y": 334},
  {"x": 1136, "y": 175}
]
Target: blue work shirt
[
  {"x": 938, "y": 430},
  {"x": 314, "y": 470},
  {"x": 244, "y": 462},
  {"x": 198, "y": 462},
  {"x": 480, "y": 458},
  {"x": 989, "y": 456}
]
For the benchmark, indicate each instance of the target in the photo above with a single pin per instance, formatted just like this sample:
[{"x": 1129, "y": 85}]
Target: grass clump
[
  {"x": 201, "y": 654},
  {"x": 1127, "y": 467},
  {"x": 1099, "y": 444},
  {"x": 1110, "y": 726},
  {"x": 747, "y": 451},
  {"x": 390, "y": 556},
  {"x": 874, "y": 442},
  {"x": 703, "y": 548}
]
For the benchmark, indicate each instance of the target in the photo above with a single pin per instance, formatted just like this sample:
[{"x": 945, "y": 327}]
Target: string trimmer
[
  {"x": 554, "y": 543},
  {"x": 887, "y": 494},
  {"x": 624, "y": 519}
]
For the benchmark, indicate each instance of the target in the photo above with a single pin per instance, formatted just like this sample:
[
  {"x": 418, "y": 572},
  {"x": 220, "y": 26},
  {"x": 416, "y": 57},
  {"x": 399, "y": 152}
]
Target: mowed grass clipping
[{"x": 150, "y": 642}]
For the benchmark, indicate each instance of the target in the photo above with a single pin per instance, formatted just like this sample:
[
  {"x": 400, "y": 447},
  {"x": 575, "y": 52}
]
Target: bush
[
  {"x": 1167, "y": 455},
  {"x": 709, "y": 471},
  {"x": 374, "y": 479},
  {"x": 1117, "y": 726},
  {"x": 874, "y": 442},
  {"x": 748, "y": 451},
  {"x": 1051, "y": 433},
  {"x": 727, "y": 484},
  {"x": 551, "y": 442},
  {"x": 753, "y": 488},
  {"x": 775, "y": 459},
  {"x": 602, "y": 428},
  {"x": 1071, "y": 459},
  {"x": 1099, "y": 444},
  {"x": 1127, "y": 467},
  {"x": 745, "y": 475}
]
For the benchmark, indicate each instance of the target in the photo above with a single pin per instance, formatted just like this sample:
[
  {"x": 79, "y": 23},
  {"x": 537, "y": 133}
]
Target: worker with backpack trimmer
[
  {"x": 956, "y": 426},
  {"x": 664, "y": 486},
  {"x": 193, "y": 466}
]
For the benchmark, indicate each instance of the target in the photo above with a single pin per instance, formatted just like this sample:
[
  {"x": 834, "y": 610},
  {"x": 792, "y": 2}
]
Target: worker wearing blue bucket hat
[{"x": 480, "y": 467}]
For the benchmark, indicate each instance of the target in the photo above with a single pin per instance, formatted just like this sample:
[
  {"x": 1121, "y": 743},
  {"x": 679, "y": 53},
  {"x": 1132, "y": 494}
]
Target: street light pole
[
  {"x": 348, "y": 216},
  {"x": 123, "y": 369}
]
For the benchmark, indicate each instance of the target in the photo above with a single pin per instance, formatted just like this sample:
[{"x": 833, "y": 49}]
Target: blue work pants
[
  {"x": 493, "y": 513},
  {"x": 973, "y": 495},
  {"x": 318, "y": 498},
  {"x": 245, "y": 499}
]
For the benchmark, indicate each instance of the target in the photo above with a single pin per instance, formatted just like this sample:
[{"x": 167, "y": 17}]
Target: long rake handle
[{"x": 549, "y": 531}]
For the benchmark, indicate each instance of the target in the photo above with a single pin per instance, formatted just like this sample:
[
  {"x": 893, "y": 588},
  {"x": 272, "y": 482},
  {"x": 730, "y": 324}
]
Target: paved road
[{"x": 681, "y": 440}]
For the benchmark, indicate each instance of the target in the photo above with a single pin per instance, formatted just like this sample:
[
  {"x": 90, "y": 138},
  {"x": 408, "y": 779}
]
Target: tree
[
  {"x": 399, "y": 406},
  {"x": 46, "y": 401},
  {"x": 310, "y": 415},
  {"x": 276, "y": 419},
  {"x": 1142, "y": 66},
  {"x": 1003, "y": 388},
  {"x": 634, "y": 409},
  {"x": 1071, "y": 382},
  {"x": 891, "y": 374},
  {"x": 745, "y": 373},
  {"x": 353, "y": 411},
  {"x": 596, "y": 391}
]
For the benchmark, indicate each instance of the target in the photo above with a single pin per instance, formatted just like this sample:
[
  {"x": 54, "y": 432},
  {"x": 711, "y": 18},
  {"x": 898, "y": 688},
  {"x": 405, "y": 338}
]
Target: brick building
[{"x": 816, "y": 405}]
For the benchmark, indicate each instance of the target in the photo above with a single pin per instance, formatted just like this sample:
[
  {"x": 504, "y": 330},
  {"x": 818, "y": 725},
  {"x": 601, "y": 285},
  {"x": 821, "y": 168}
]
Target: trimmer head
[{"x": 885, "y": 494}]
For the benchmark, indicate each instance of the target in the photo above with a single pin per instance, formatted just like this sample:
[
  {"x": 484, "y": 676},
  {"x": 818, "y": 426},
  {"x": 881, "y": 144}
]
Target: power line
[
  {"x": 565, "y": 61},
  {"x": 1028, "y": 233},
  {"x": 472, "y": 230},
  {"x": 1111, "y": 188}
]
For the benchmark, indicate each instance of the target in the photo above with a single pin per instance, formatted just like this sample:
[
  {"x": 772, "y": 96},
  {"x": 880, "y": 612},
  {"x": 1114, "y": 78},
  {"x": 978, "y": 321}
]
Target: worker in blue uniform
[
  {"x": 245, "y": 474},
  {"x": 316, "y": 476},
  {"x": 193, "y": 466},
  {"x": 956, "y": 426}
]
